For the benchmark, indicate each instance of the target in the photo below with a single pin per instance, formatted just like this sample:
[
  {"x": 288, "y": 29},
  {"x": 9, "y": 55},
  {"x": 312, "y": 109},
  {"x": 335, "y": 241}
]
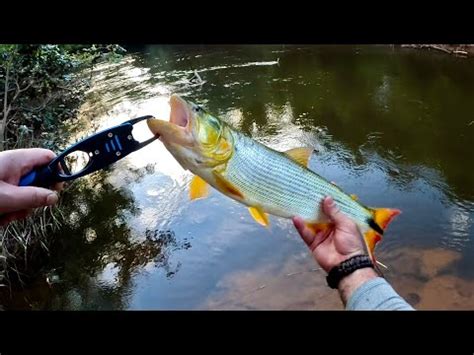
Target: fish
[{"x": 267, "y": 181}]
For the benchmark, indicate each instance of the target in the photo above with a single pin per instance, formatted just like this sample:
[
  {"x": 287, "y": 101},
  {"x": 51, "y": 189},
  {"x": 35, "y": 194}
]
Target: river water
[{"x": 393, "y": 126}]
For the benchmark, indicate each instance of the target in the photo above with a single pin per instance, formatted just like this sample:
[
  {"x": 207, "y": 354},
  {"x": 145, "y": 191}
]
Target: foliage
[{"x": 42, "y": 85}]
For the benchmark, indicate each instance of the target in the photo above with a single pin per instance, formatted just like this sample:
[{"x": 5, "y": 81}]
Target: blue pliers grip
[{"x": 103, "y": 148}]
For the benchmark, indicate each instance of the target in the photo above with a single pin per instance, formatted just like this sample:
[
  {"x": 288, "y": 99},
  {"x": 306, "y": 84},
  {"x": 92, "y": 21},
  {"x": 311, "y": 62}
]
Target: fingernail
[{"x": 52, "y": 198}]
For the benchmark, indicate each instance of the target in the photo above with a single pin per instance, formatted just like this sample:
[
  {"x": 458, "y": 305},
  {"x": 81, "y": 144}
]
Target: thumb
[
  {"x": 15, "y": 198},
  {"x": 332, "y": 211}
]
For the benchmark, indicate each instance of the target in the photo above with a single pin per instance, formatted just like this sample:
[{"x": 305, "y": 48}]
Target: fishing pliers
[{"x": 103, "y": 149}]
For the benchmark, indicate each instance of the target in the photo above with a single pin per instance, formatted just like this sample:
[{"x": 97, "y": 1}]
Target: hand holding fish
[
  {"x": 16, "y": 202},
  {"x": 332, "y": 246}
]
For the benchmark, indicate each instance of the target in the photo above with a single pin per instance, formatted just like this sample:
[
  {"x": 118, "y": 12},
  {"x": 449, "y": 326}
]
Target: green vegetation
[{"x": 41, "y": 86}]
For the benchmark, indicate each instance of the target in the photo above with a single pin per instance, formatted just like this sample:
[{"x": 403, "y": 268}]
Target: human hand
[
  {"x": 335, "y": 245},
  {"x": 17, "y": 202}
]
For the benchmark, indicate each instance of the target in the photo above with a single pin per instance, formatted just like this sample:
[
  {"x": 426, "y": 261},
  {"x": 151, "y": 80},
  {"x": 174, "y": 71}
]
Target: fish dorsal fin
[
  {"x": 259, "y": 216},
  {"x": 198, "y": 188},
  {"x": 226, "y": 186},
  {"x": 300, "y": 155}
]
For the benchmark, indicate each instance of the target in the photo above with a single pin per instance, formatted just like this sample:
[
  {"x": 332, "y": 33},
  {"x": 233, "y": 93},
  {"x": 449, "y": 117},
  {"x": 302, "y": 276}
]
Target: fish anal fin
[
  {"x": 226, "y": 186},
  {"x": 319, "y": 227},
  {"x": 300, "y": 155},
  {"x": 198, "y": 188},
  {"x": 259, "y": 216}
]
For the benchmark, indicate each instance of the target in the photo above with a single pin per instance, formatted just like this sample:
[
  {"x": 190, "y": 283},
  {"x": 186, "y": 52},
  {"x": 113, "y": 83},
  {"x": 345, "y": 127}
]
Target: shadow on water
[
  {"x": 96, "y": 254},
  {"x": 393, "y": 126}
]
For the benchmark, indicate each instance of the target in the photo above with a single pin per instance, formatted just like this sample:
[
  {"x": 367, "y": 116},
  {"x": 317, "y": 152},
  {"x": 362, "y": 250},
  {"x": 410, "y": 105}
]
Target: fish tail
[{"x": 381, "y": 218}]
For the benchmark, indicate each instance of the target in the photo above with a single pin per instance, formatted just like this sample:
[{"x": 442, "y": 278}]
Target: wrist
[
  {"x": 347, "y": 267},
  {"x": 352, "y": 282},
  {"x": 328, "y": 266}
]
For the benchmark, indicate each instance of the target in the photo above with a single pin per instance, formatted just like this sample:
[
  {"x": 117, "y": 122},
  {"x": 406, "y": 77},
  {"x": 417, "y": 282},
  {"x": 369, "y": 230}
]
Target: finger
[
  {"x": 318, "y": 239},
  {"x": 30, "y": 158},
  {"x": 307, "y": 234},
  {"x": 332, "y": 211},
  {"x": 59, "y": 186},
  {"x": 15, "y": 198}
]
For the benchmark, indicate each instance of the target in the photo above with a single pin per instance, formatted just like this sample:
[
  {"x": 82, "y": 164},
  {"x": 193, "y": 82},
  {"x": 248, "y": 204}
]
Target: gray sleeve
[{"x": 377, "y": 294}]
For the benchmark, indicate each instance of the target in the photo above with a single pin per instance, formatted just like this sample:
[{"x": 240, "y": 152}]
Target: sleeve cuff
[{"x": 377, "y": 294}]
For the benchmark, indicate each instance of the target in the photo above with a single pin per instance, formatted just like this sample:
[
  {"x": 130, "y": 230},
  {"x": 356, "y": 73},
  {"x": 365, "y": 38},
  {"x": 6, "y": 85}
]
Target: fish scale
[{"x": 281, "y": 186}]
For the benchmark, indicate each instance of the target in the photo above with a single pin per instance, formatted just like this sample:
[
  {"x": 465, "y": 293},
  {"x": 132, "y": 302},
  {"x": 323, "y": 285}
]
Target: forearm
[
  {"x": 364, "y": 290},
  {"x": 349, "y": 284}
]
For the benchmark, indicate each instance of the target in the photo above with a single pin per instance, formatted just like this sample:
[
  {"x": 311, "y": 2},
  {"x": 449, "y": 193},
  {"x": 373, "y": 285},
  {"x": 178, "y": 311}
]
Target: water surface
[{"x": 393, "y": 126}]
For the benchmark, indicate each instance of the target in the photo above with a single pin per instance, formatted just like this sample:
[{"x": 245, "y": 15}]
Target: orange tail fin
[{"x": 380, "y": 221}]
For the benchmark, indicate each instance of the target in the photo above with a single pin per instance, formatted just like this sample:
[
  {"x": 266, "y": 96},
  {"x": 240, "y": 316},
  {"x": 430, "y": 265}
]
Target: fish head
[{"x": 193, "y": 136}]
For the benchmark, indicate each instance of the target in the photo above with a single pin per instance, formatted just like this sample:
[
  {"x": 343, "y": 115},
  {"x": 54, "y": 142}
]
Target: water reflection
[
  {"x": 391, "y": 126},
  {"x": 296, "y": 285},
  {"x": 429, "y": 279}
]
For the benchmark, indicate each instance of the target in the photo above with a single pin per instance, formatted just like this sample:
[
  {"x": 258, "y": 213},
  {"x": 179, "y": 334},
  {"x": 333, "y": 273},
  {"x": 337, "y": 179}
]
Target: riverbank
[
  {"x": 463, "y": 50},
  {"x": 41, "y": 87}
]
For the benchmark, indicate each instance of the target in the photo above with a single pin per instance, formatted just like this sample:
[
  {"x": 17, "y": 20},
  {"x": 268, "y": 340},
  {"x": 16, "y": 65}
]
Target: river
[{"x": 391, "y": 125}]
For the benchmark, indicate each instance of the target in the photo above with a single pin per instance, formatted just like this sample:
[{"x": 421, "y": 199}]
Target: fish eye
[{"x": 197, "y": 109}]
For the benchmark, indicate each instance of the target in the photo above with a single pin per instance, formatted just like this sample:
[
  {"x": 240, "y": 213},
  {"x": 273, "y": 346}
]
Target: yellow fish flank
[{"x": 267, "y": 181}]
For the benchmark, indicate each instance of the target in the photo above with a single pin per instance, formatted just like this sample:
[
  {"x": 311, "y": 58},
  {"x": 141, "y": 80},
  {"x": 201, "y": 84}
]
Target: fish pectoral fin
[
  {"x": 354, "y": 197},
  {"x": 198, "y": 188},
  {"x": 226, "y": 186},
  {"x": 319, "y": 227},
  {"x": 259, "y": 216},
  {"x": 300, "y": 155}
]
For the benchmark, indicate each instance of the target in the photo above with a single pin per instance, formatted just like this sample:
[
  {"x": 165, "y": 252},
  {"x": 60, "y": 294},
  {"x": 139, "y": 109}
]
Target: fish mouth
[
  {"x": 180, "y": 114},
  {"x": 178, "y": 129}
]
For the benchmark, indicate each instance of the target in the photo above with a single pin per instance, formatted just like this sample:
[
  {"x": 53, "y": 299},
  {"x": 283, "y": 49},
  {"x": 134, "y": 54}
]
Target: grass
[{"x": 23, "y": 240}]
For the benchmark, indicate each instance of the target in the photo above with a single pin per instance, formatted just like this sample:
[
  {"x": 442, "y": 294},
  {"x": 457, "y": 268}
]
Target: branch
[
  {"x": 26, "y": 87},
  {"x": 5, "y": 98},
  {"x": 43, "y": 105},
  {"x": 11, "y": 118},
  {"x": 6, "y": 111},
  {"x": 459, "y": 52},
  {"x": 439, "y": 48}
]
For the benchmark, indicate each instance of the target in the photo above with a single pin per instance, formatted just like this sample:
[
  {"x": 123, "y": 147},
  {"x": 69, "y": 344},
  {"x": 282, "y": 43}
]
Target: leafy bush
[{"x": 42, "y": 85}]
